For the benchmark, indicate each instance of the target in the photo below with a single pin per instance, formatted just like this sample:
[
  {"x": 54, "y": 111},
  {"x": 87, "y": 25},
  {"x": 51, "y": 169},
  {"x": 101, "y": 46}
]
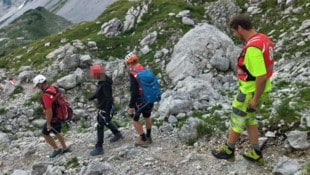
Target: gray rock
[
  {"x": 149, "y": 39},
  {"x": 39, "y": 122},
  {"x": 4, "y": 138},
  {"x": 189, "y": 129},
  {"x": 39, "y": 168},
  {"x": 130, "y": 19},
  {"x": 188, "y": 21},
  {"x": 98, "y": 168},
  {"x": 70, "y": 62},
  {"x": 220, "y": 11},
  {"x": 298, "y": 139},
  {"x": 85, "y": 61},
  {"x": 67, "y": 82},
  {"x": 194, "y": 50},
  {"x": 20, "y": 172},
  {"x": 112, "y": 28},
  {"x": 53, "y": 170},
  {"x": 286, "y": 166}
]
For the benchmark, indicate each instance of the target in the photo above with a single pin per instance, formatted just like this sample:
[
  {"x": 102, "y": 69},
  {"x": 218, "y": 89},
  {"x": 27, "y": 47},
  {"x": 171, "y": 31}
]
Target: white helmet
[{"x": 39, "y": 79}]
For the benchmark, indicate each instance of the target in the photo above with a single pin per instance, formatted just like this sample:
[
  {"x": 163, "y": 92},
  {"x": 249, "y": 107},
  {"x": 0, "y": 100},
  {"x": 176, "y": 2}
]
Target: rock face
[{"x": 199, "y": 50}]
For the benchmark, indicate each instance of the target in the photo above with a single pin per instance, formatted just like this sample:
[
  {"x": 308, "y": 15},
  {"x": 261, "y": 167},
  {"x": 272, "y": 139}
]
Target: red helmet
[
  {"x": 96, "y": 70},
  {"x": 130, "y": 58}
]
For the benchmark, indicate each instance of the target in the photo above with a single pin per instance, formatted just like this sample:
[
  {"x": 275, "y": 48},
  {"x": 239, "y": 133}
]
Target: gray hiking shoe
[
  {"x": 96, "y": 151},
  {"x": 55, "y": 153},
  {"x": 116, "y": 137}
]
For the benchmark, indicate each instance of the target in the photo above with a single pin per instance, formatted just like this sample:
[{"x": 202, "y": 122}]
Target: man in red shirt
[{"x": 52, "y": 124}]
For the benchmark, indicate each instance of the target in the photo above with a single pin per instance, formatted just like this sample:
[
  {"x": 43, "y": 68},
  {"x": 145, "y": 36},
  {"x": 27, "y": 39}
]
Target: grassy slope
[{"x": 32, "y": 25}]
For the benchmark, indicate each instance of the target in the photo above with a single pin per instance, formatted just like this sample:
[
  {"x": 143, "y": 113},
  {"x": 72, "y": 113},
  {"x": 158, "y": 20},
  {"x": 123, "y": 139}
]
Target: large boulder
[{"x": 193, "y": 53}]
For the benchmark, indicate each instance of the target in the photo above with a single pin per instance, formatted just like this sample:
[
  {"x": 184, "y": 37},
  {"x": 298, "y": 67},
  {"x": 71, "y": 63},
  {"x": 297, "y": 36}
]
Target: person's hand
[
  {"x": 131, "y": 111},
  {"x": 252, "y": 106}
]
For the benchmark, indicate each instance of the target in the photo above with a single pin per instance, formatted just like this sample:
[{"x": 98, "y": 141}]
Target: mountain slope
[
  {"x": 32, "y": 25},
  {"x": 72, "y": 10},
  {"x": 193, "y": 114}
]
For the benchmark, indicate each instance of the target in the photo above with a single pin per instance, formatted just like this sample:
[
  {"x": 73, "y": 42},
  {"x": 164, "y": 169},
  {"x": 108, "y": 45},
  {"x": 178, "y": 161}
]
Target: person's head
[
  {"x": 97, "y": 71},
  {"x": 131, "y": 59},
  {"x": 40, "y": 81},
  {"x": 240, "y": 23}
]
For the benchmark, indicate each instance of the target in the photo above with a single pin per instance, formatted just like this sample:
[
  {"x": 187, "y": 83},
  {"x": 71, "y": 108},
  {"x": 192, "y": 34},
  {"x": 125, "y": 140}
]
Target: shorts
[
  {"x": 56, "y": 128},
  {"x": 242, "y": 116},
  {"x": 146, "y": 112}
]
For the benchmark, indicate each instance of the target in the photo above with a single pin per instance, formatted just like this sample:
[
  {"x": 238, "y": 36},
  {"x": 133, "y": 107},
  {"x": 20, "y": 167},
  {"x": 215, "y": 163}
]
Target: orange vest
[{"x": 263, "y": 43}]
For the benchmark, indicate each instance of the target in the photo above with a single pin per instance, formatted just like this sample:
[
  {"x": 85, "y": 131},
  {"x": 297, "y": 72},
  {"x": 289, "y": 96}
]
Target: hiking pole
[{"x": 55, "y": 130}]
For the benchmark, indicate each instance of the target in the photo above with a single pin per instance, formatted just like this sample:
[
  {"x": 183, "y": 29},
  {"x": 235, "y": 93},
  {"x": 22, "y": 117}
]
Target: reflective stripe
[
  {"x": 239, "y": 112},
  {"x": 238, "y": 122}
]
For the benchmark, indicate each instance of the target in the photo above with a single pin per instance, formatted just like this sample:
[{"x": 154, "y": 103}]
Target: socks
[
  {"x": 256, "y": 147},
  {"x": 143, "y": 137},
  {"x": 231, "y": 146},
  {"x": 148, "y": 132}
]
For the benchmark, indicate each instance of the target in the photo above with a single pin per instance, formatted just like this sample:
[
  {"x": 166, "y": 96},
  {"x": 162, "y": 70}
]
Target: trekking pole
[{"x": 55, "y": 130}]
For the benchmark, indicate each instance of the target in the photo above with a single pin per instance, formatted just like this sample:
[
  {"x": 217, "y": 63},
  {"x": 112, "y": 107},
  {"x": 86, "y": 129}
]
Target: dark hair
[{"x": 242, "y": 20}]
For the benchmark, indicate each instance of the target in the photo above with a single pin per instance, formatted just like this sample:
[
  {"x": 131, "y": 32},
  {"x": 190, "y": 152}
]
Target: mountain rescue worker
[
  {"x": 104, "y": 101},
  {"x": 131, "y": 60},
  {"x": 255, "y": 67},
  {"x": 52, "y": 123}
]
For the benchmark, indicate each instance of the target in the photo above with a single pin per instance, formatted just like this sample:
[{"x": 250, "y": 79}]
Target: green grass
[
  {"x": 82, "y": 126},
  {"x": 306, "y": 170},
  {"x": 3, "y": 111},
  {"x": 73, "y": 163}
]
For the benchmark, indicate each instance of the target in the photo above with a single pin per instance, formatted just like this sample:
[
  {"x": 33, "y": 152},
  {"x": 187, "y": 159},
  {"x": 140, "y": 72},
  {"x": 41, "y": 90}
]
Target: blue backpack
[{"x": 149, "y": 88}]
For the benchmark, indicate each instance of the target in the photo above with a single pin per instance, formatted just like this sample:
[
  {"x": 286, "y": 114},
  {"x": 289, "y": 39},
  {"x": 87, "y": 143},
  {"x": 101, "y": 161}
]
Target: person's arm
[
  {"x": 48, "y": 117},
  {"x": 134, "y": 91},
  {"x": 48, "y": 111},
  {"x": 260, "y": 84},
  {"x": 108, "y": 98}
]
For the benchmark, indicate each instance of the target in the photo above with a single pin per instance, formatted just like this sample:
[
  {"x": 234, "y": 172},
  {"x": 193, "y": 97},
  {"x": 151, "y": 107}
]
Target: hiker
[
  {"x": 104, "y": 101},
  {"x": 131, "y": 60},
  {"x": 52, "y": 123},
  {"x": 255, "y": 67}
]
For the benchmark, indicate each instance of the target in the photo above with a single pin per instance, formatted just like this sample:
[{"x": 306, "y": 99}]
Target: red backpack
[{"x": 62, "y": 109}]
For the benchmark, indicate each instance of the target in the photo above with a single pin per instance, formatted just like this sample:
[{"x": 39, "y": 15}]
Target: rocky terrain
[{"x": 188, "y": 46}]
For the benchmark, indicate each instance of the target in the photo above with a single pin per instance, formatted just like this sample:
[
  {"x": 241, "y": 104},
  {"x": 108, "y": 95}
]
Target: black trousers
[{"x": 104, "y": 118}]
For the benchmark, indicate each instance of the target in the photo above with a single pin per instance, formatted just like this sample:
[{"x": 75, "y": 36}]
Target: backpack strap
[
  {"x": 134, "y": 73},
  {"x": 52, "y": 90}
]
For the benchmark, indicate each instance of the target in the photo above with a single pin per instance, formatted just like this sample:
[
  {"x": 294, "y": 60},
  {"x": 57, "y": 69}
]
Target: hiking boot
[
  {"x": 149, "y": 140},
  {"x": 67, "y": 150},
  {"x": 96, "y": 151},
  {"x": 142, "y": 143},
  {"x": 116, "y": 137},
  {"x": 224, "y": 152},
  {"x": 254, "y": 156},
  {"x": 55, "y": 153}
]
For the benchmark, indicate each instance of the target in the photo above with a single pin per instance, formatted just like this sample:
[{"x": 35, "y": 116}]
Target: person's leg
[
  {"x": 139, "y": 129},
  {"x": 237, "y": 124},
  {"x": 61, "y": 139},
  {"x": 48, "y": 138},
  {"x": 57, "y": 131},
  {"x": 100, "y": 134},
  {"x": 50, "y": 141}
]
